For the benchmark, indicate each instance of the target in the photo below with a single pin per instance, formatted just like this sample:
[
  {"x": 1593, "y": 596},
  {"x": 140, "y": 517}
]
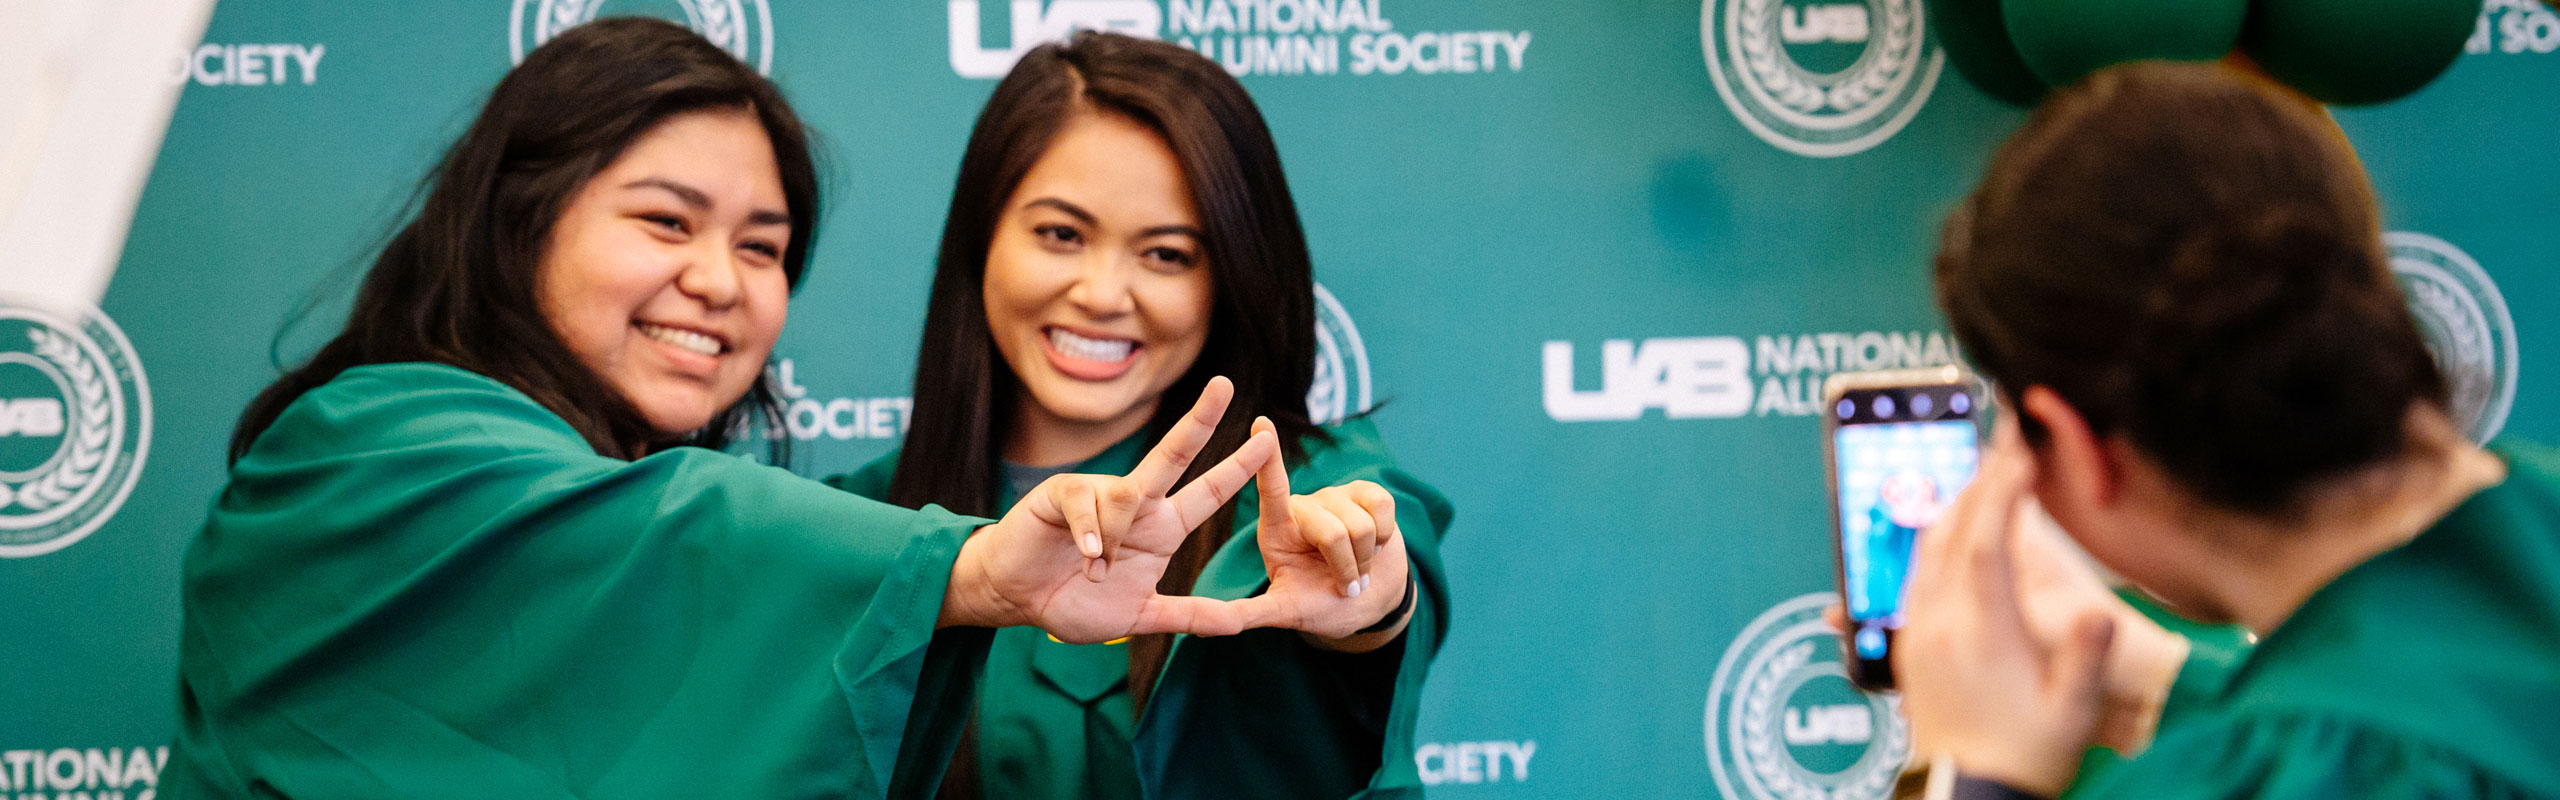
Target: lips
[{"x": 1090, "y": 357}]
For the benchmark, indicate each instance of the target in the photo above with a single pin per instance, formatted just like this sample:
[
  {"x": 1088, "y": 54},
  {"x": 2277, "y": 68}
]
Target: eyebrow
[
  {"x": 1072, "y": 210},
  {"x": 698, "y": 201}
]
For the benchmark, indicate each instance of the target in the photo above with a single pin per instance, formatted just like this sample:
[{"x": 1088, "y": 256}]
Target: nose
[
  {"x": 712, "y": 276},
  {"x": 1102, "y": 286}
]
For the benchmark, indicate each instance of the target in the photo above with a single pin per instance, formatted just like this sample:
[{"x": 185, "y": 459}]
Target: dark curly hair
[{"x": 2193, "y": 261}]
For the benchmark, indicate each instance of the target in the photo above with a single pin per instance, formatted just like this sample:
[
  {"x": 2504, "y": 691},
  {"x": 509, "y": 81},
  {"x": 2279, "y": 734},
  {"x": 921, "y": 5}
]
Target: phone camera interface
[{"x": 1896, "y": 478}]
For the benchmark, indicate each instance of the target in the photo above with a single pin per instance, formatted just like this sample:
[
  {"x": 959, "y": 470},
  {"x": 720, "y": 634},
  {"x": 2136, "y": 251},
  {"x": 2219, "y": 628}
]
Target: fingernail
[
  {"x": 1092, "y": 545},
  {"x": 1364, "y": 582},
  {"x": 1351, "y": 589}
]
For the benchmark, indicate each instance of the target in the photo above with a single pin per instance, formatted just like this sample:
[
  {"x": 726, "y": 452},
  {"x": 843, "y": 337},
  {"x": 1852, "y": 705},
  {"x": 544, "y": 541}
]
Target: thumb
[
  {"x": 1264, "y": 610},
  {"x": 1041, "y": 506},
  {"x": 1199, "y": 616}
]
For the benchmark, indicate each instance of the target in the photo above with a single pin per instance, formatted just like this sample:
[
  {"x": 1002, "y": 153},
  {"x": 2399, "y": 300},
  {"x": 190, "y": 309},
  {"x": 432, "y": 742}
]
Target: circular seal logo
[
  {"x": 742, "y": 27},
  {"x": 75, "y": 422},
  {"x": 1341, "y": 387},
  {"x": 1785, "y": 723},
  {"x": 2465, "y": 322},
  {"x": 1821, "y": 79}
]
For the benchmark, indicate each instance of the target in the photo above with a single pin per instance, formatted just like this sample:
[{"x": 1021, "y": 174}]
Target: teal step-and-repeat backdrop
[{"x": 1593, "y": 258}]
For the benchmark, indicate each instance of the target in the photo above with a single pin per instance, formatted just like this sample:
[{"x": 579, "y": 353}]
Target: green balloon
[
  {"x": 2065, "y": 40},
  {"x": 1977, "y": 42},
  {"x": 2355, "y": 52}
]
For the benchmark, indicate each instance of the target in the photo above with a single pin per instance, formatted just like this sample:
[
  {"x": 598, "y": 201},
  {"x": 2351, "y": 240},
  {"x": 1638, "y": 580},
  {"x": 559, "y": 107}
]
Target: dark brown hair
[
  {"x": 456, "y": 284},
  {"x": 1262, "y": 312},
  {"x": 2194, "y": 261}
]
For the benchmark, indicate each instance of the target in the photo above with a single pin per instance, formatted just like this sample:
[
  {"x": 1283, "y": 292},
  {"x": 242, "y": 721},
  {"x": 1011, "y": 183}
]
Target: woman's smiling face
[
  {"x": 1097, "y": 287},
  {"x": 664, "y": 274}
]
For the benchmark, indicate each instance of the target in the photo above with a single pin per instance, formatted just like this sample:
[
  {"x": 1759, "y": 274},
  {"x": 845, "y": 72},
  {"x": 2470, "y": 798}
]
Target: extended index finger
[
  {"x": 1166, "y": 463},
  {"x": 1205, "y": 494},
  {"x": 1273, "y": 484}
]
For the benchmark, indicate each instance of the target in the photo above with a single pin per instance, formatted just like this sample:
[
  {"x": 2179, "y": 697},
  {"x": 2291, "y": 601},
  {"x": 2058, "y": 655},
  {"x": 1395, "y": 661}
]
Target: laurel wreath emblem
[
  {"x": 1760, "y": 704},
  {"x": 89, "y": 439},
  {"x": 2438, "y": 303},
  {"x": 561, "y": 15},
  {"x": 1341, "y": 386},
  {"x": 1325, "y": 392},
  {"x": 2467, "y": 325},
  {"x": 721, "y": 24},
  {"x": 1892, "y": 54},
  {"x": 2462, "y": 346}
]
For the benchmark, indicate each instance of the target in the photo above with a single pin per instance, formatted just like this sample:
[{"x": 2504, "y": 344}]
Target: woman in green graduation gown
[
  {"x": 1120, "y": 231},
  {"x": 2175, "y": 277},
  {"x": 472, "y": 548}
]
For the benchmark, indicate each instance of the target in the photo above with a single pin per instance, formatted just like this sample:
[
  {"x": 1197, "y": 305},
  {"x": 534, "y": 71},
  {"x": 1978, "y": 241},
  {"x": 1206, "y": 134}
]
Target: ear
[{"x": 2073, "y": 461}]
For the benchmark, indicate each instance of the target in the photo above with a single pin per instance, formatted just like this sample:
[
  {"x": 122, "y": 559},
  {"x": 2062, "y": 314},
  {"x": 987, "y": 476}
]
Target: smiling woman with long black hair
[
  {"x": 1120, "y": 232},
  {"x": 480, "y": 543}
]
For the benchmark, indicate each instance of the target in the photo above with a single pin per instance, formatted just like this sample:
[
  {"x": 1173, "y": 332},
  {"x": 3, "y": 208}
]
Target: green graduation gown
[
  {"x": 1262, "y": 714},
  {"x": 2431, "y": 670},
  {"x": 420, "y": 583},
  {"x": 2213, "y": 653}
]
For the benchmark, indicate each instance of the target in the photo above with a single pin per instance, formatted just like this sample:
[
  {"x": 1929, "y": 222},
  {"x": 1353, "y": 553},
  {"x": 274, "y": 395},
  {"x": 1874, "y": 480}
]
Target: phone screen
[{"x": 1901, "y": 457}]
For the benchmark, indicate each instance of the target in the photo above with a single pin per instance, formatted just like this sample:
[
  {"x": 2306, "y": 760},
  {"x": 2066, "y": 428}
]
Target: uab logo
[
  {"x": 30, "y": 416},
  {"x": 1784, "y": 722},
  {"x": 75, "y": 422},
  {"x": 742, "y": 27},
  {"x": 1034, "y": 23},
  {"x": 1686, "y": 377},
  {"x": 2466, "y": 325},
  {"x": 1341, "y": 387},
  {"x": 1820, "y": 79},
  {"x": 1835, "y": 724},
  {"x": 1811, "y": 24}
]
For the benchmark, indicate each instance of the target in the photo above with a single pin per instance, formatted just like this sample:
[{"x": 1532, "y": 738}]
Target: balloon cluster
[{"x": 2347, "y": 52}]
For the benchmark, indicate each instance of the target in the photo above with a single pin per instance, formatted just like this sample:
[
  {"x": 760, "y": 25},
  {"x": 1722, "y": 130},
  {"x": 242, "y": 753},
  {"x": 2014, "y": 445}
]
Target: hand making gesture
[
  {"x": 1337, "y": 566},
  {"x": 1079, "y": 556}
]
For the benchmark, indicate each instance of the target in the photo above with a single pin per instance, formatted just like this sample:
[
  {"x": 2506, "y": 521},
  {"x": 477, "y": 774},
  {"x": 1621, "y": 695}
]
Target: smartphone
[{"x": 1899, "y": 445}]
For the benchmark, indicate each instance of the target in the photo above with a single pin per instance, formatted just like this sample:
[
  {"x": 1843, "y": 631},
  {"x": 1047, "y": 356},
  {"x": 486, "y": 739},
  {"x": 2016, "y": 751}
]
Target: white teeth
[
  {"x": 1078, "y": 347},
  {"x": 689, "y": 341}
]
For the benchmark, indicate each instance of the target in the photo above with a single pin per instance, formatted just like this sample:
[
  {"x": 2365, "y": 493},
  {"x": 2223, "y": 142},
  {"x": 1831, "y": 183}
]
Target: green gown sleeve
[
  {"x": 418, "y": 582},
  {"x": 1264, "y": 714},
  {"x": 2424, "y": 672},
  {"x": 954, "y": 668},
  {"x": 2214, "y": 654},
  {"x": 2297, "y": 756}
]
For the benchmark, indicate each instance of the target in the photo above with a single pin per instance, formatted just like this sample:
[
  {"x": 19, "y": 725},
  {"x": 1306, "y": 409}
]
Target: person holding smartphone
[
  {"x": 484, "y": 542},
  {"x": 2174, "y": 277},
  {"x": 1121, "y": 231}
]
